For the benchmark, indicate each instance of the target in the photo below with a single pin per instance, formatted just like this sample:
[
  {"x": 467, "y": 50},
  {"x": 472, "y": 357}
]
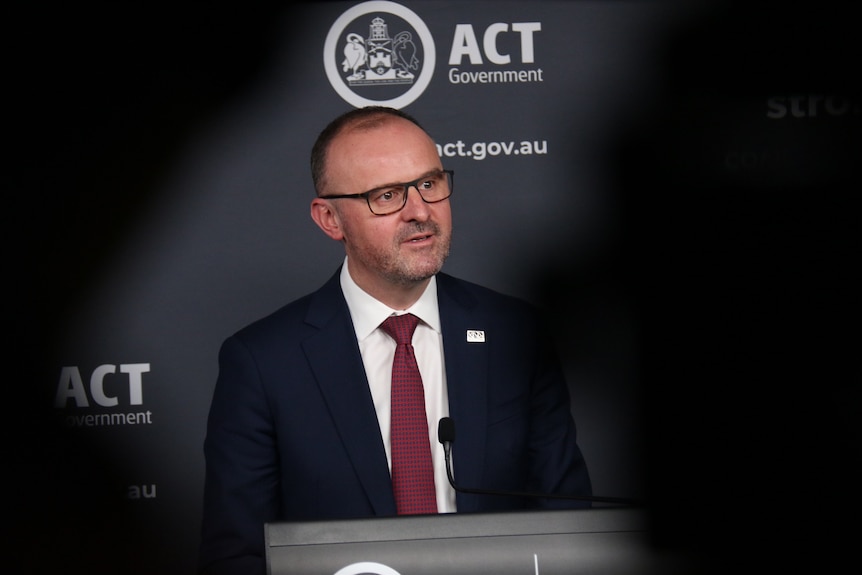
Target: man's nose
[{"x": 415, "y": 208}]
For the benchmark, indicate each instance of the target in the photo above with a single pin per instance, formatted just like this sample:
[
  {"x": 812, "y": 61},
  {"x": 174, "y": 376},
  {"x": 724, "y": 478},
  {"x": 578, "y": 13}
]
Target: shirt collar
[{"x": 368, "y": 313}]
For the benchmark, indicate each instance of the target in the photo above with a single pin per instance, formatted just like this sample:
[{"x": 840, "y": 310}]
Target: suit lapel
[
  {"x": 341, "y": 377},
  {"x": 467, "y": 383}
]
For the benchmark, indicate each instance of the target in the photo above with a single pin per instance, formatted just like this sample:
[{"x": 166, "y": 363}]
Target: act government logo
[
  {"x": 367, "y": 568},
  {"x": 379, "y": 54}
]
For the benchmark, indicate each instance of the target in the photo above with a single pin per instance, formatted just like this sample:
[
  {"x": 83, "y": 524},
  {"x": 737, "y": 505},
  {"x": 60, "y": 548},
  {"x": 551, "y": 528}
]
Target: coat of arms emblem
[{"x": 379, "y": 58}]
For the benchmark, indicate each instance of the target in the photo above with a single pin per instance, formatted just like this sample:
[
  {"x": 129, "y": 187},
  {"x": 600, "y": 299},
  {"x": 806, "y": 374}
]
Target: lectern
[{"x": 597, "y": 541}]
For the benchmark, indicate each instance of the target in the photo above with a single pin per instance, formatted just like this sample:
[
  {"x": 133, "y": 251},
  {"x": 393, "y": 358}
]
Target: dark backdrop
[{"x": 692, "y": 229}]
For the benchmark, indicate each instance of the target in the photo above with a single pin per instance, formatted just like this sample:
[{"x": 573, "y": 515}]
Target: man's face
[{"x": 400, "y": 249}]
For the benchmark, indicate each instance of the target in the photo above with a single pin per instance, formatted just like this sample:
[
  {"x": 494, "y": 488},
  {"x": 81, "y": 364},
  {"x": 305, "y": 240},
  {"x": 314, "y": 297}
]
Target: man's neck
[{"x": 398, "y": 296}]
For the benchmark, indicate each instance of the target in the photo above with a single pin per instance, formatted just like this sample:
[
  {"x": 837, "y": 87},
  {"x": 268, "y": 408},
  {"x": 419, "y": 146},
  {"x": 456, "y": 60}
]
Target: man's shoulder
[
  {"x": 295, "y": 317},
  {"x": 472, "y": 295}
]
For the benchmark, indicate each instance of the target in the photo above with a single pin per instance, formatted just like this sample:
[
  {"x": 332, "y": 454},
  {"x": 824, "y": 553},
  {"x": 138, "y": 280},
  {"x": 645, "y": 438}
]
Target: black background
[{"x": 745, "y": 287}]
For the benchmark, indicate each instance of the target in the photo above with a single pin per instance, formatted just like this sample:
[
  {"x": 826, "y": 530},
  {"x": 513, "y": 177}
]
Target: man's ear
[{"x": 326, "y": 218}]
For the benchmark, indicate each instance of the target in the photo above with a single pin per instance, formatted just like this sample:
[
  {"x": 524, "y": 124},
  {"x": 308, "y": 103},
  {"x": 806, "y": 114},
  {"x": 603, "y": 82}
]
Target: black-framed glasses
[{"x": 433, "y": 187}]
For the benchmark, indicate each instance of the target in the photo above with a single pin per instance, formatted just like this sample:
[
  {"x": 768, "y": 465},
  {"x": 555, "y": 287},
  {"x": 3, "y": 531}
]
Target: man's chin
[{"x": 419, "y": 273}]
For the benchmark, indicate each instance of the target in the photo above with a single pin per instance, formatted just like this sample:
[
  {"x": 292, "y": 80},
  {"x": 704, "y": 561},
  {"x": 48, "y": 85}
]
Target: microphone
[{"x": 446, "y": 436}]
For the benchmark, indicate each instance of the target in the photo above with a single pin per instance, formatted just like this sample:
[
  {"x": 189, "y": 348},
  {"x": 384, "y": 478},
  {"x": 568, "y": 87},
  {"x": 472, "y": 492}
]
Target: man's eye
[
  {"x": 387, "y": 195},
  {"x": 428, "y": 184}
]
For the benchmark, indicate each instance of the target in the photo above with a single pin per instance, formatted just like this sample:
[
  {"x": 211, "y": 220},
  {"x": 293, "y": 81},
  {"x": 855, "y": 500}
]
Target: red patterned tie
[{"x": 412, "y": 471}]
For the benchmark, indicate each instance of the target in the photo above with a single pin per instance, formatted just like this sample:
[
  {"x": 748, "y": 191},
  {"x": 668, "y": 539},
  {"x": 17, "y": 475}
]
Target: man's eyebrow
[{"x": 425, "y": 175}]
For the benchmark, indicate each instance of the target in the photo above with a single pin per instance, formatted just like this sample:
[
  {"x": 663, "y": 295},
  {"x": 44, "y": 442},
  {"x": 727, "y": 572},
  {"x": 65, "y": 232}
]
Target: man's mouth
[{"x": 420, "y": 235}]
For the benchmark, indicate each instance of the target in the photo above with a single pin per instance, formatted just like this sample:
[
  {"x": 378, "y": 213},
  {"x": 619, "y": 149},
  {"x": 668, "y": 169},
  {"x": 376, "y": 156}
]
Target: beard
[{"x": 399, "y": 268}]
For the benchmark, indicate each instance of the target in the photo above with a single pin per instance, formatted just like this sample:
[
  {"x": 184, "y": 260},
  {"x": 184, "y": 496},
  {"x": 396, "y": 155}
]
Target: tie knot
[{"x": 401, "y": 327}]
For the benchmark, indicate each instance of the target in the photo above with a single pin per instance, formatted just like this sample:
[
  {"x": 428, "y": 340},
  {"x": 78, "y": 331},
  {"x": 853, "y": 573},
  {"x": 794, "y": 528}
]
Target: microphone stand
[{"x": 446, "y": 435}]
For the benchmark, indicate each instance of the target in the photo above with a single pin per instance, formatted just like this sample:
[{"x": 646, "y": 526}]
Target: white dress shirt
[{"x": 378, "y": 352}]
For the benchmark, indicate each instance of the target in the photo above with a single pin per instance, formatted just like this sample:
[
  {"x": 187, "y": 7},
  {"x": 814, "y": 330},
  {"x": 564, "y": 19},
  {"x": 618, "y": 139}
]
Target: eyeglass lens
[{"x": 433, "y": 188}]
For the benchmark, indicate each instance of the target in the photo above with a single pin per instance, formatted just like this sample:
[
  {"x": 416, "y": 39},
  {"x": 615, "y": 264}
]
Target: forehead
[{"x": 388, "y": 151}]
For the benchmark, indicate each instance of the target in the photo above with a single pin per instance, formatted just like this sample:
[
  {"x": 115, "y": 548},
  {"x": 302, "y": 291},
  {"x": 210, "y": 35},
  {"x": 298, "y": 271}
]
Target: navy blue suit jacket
[{"x": 293, "y": 435}]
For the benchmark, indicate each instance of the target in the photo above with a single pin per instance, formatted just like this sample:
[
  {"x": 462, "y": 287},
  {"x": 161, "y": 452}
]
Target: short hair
[{"x": 361, "y": 118}]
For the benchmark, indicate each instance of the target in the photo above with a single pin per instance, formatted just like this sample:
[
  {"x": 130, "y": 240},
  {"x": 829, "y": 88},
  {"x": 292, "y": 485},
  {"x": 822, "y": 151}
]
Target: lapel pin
[{"x": 475, "y": 336}]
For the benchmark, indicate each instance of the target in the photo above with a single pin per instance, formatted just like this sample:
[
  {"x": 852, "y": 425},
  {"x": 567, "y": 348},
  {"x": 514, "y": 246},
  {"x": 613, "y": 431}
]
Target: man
[{"x": 299, "y": 426}]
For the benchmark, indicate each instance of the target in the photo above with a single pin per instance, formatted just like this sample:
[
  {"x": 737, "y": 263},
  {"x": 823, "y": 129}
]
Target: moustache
[{"x": 430, "y": 228}]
